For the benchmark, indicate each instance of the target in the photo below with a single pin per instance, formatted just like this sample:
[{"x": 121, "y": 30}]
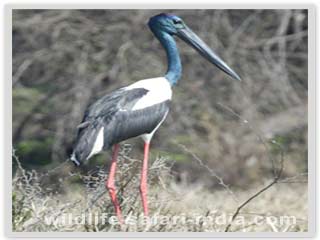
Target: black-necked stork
[{"x": 140, "y": 108}]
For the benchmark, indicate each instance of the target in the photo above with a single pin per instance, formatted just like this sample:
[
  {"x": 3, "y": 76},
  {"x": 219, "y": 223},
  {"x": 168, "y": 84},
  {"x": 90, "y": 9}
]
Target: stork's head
[
  {"x": 166, "y": 23},
  {"x": 174, "y": 25}
]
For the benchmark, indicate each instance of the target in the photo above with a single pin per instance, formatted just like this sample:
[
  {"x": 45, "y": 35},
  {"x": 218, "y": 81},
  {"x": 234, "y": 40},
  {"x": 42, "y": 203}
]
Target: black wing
[
  {"x": 113, "y": 102},
  {"x": 114, "y": 113},
  {"x": 128, "y": 124}
]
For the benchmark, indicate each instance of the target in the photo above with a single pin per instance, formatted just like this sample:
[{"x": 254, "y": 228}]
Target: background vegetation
[{"x": 217, "y": 139}]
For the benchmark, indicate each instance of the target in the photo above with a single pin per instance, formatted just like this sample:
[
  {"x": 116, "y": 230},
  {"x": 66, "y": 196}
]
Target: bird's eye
[{"x": 177, "y": 21}]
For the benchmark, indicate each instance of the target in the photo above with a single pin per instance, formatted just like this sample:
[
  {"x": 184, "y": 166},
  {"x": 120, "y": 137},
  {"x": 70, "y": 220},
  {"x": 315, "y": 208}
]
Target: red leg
[
  {"x": 143, "y": 182},
  {"x": 110, "y": 183}
]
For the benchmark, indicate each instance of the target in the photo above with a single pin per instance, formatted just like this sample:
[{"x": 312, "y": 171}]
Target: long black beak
[{"x": 187, "y": 35}]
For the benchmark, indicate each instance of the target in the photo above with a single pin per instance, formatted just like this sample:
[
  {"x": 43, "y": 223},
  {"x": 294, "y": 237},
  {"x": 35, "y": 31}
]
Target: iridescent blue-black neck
[{"x": 174, "y": 64}]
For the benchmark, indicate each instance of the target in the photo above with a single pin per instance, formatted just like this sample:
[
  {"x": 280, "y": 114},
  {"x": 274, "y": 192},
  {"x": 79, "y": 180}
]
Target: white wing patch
[
  {"x": 159, "y": 91},
  {"x": 148, "y": 136},
  {"x": 98, "y": 144},
  {"x": 74, "y": 159}
]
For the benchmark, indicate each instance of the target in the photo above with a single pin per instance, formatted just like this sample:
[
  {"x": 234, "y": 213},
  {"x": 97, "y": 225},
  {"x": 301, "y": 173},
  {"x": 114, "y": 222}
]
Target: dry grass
[{"x": 194, "y": 207}]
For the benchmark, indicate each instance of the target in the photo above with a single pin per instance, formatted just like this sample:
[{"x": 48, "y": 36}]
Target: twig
[
  {"x": 213, "y": 173},
  {"x": 277, "y": 175},
  {"x": 274, "y": 40},
  {"x": 22, "y": 170},
  {"x": 293, "y": 178},
  {"x": 22, "y": 68},
  {"x": 255, "y": 132}
]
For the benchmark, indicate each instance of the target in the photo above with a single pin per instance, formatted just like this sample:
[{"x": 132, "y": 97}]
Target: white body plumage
[{"x": 159, "y": 90}]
